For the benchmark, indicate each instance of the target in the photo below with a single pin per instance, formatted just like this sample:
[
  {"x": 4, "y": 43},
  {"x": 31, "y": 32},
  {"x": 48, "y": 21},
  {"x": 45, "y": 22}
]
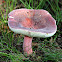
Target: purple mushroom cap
[{"x": 32, "y": 22}]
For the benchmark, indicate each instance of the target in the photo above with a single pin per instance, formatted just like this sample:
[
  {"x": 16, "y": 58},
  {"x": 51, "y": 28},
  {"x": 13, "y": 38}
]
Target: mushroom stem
[{"x": 27, "y": 45}]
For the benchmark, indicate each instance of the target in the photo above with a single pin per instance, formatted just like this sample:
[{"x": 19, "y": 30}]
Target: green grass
[{"x": 46, "y": 50}]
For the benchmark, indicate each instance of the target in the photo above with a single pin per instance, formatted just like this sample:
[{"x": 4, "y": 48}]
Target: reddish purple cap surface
[{"x": 33, "y": 23}]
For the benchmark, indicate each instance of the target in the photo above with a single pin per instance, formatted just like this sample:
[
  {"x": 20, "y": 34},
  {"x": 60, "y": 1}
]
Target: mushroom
[{"x": 31, "y": 23}]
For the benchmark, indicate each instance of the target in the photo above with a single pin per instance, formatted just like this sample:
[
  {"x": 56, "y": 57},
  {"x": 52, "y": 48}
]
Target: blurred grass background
[{"x": 44, "y": 50}]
